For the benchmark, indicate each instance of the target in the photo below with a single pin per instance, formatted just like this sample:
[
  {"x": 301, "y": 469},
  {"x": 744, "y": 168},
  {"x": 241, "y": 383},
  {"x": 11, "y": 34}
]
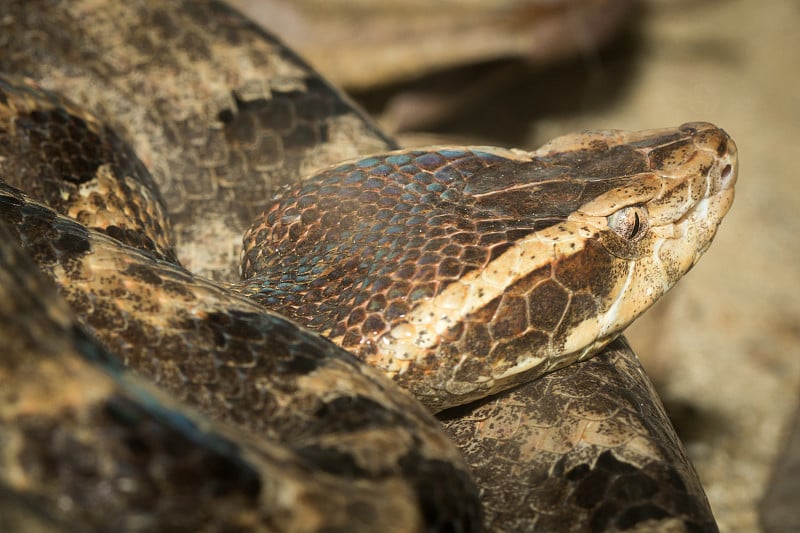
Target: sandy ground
[{"x": 724, "y": 347}]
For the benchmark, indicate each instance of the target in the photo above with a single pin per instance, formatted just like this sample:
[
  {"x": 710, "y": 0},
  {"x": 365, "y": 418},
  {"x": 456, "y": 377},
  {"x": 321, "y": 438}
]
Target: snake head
[
  {"x": 662, "y": 221},
  {"x": 463, "y": 271}
]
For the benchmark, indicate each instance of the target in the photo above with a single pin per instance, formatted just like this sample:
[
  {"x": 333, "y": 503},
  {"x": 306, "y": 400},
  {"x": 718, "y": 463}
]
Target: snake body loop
[{"x": 456, "y": 272}]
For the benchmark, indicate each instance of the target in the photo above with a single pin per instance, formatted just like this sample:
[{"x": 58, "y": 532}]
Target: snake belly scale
[{"x": 456, "y": 272}]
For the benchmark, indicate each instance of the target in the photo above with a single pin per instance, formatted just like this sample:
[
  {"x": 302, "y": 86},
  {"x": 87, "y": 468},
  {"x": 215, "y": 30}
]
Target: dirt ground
[{"x": 724, "y": 347}]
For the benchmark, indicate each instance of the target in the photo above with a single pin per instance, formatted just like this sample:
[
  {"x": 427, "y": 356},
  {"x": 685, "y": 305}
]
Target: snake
[{"x": 420, "y": 340}]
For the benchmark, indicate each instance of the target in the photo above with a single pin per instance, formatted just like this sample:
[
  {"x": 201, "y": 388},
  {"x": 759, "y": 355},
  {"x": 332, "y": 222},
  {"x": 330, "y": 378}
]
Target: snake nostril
[{"x": 726, "y": 178}]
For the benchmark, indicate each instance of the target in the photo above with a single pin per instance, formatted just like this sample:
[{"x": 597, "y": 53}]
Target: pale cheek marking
[{"x": 429, "y": 320}]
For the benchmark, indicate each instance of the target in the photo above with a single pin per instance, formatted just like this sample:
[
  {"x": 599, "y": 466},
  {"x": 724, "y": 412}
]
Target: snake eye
[{"x": 630, "y": 223}]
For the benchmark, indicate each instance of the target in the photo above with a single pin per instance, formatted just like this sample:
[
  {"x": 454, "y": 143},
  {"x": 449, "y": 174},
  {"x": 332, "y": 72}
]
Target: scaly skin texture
[
  {"x": 216, "y": 108},
  {"x": 461, "y": 272},
  {"x": 314, "y": 403},
  {"x": 87, "y": 445},
  {"x": 600, "y": 426},
  {"x": 167, "y": 80}
]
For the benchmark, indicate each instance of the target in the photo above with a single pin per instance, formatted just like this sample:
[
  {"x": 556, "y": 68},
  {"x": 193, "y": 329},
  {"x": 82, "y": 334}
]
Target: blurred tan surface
[
  {"x": 724, "y": 347},
  {"x": 368, "y": 43}
]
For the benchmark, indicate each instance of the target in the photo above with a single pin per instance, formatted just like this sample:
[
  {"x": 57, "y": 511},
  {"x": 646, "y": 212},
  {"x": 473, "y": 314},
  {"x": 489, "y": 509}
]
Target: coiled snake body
[{"x": 457, "y": 273}]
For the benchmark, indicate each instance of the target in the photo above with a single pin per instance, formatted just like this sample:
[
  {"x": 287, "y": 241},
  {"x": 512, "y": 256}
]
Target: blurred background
[{"x": 724, "y": 347}]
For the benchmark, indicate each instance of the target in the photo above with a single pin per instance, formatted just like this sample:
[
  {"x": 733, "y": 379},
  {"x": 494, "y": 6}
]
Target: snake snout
[
  {"x": 709, "y": 138},
  {"x": 722, "y": 176},
  {"x": 728, "y": 168}
]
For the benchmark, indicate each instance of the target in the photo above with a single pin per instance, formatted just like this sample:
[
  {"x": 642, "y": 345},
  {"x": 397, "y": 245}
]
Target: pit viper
[{"x": 138, "y": 143}]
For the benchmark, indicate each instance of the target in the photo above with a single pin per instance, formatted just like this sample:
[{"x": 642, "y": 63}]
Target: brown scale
[
  {"x": 65, "y": 158},
  {"x": 93, "y": 448},
  {"x": 454, "y": 241},
  {"x": 237, "y": 363},
  {"x": 228, "y": 131},
  {"x": 610, "y": 480},
  {"x": 461, "y": 233},
  {"x": 359, "y": 247},
  {"x": 234, "y": 361}
]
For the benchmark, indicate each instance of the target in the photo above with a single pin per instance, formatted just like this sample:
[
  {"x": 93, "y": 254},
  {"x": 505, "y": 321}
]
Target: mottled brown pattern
[
  {"x": 215, "y": 107},
  {"x": 597, "y": 424},
  {"x": 360, "y": 248},
  {"x": 222, "y": 115},
  {"x": 88, "y": 446},
  {"x": 239, "y": 364},
  {"x": 67, "y": 159}
]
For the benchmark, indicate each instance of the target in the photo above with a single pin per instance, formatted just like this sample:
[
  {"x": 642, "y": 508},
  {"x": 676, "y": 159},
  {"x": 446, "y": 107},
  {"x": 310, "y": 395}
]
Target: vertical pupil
[{"x": 635, "y": 228}]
